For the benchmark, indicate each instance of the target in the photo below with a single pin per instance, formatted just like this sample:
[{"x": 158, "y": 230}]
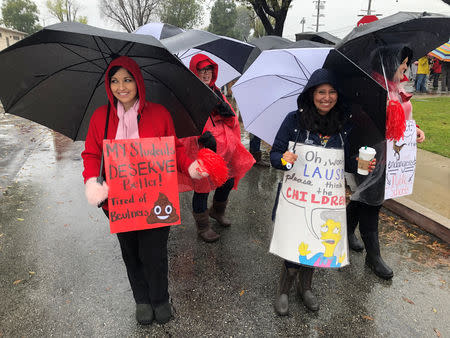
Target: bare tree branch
[{"x": 129, "y": 14}]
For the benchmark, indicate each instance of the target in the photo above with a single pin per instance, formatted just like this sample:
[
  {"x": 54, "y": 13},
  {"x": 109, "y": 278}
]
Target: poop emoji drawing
[{"x": 163, "y": 211}]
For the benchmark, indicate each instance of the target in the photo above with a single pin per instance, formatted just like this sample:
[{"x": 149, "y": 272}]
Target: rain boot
[
  {"x": 287, "y": 278},
  {"x": 259, "y": 161},
  {"x": 218, "y": 213},
  {"x": 373, "y": 256},
  {"x": 204, "y": 230},
  {"x": 304, "y": 288},
  {"x": 352, "y": 222},
  {"x": 144, "y": 314},
  {"x": 163, "y": 313}
]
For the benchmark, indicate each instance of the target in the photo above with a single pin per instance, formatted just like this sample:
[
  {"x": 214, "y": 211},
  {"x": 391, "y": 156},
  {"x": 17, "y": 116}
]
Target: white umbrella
[
  {"x": 269, "y": 88},
  {"x": 159, "y": 30}
]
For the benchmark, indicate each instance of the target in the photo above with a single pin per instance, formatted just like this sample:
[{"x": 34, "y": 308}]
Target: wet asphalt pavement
[{"x": 61, "y": 271}]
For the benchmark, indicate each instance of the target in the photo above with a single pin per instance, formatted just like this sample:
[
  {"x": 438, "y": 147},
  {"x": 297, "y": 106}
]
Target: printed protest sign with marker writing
[{"x": 143, "y": 184}]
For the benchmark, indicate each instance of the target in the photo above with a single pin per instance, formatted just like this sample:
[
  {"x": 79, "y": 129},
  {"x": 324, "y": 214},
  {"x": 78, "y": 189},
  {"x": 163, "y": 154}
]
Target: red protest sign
[{"x": 143, "y": 183}]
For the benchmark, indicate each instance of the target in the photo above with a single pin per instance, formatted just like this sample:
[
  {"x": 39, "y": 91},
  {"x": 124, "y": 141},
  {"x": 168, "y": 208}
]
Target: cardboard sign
[
  {"x": 143, "y": 184},
  {"x": 310, "y": 223},
  {"x": 401, "y": 163}
]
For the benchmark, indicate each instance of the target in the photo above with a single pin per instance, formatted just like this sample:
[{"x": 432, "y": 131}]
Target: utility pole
[
  {"x": 303, "y": 21},
  {"x": 369, "y": 10},
  {"x": 320, "y": 4}
]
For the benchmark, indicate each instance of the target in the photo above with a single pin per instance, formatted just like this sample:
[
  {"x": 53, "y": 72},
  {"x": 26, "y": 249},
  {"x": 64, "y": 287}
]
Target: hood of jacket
[
  {"x": 318, "y": 77},
  {"x": 200, "y": 61},
  {"x": 321, "y": 76},
  {"x": 132, "y": 67}
]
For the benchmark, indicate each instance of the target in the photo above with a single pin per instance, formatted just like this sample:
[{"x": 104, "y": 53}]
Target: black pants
[
  {"x": 144, "y": 253},
  {"x": 366, "y": 215},
  {"x": 200, "y": 200}
]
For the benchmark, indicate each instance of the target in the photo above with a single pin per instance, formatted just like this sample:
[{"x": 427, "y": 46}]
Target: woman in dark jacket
[
  {"x": 368, "y": 197},
  {"x": 320, "y": 120}
]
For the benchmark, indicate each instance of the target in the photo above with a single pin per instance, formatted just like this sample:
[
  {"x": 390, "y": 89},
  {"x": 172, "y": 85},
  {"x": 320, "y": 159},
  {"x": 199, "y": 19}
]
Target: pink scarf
[{"x": 128, "y": 124}]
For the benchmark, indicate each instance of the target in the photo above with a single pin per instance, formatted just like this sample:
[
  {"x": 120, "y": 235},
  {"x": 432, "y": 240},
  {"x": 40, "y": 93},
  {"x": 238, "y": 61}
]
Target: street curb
[{"x": 426, "y": 223}]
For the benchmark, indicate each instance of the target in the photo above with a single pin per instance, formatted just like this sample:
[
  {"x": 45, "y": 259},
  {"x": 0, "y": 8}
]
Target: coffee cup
[{"x": 366, "y": 155}]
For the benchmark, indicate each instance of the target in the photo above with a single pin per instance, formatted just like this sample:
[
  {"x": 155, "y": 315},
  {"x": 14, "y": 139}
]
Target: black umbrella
[
  {"x": 422, "y": 32},
  {"x": 56, "y": 78},
  {"x": 230, "y": 54}
]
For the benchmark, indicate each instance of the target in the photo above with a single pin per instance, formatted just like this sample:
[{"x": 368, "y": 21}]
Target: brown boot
[
  {"x": 287, "y": 278},
  {"x": 304, "y": 288},
  {"x": 259, "y": 161},
  {"x": 204, "y": 230},
  {"x": 218, "y": 213}
]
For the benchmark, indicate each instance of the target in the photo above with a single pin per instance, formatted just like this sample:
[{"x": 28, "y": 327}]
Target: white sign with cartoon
[
  {"x": 401, "y": 163},
  {"x": 310, "y": 224}
]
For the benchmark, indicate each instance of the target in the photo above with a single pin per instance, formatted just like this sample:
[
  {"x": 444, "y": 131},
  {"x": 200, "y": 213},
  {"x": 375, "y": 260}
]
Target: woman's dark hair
[
  {"x": 311, "y": 120},
  {"x": 392, "y": 57}
]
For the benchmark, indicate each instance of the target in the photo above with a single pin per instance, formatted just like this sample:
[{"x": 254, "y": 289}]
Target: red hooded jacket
[
  {"x": 226, "y": 131},
  {"x": 155, "y": 121}
]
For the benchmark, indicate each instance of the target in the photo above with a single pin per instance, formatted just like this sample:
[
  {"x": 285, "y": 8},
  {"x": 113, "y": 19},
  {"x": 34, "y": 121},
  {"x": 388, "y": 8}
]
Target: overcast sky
[{"x": 340, "y": 16}]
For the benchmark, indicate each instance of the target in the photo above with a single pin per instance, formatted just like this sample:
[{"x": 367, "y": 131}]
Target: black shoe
[
  {"x": 144, "y": 314},
  {"x": 373, "y": 257},
  {"x": 354, "y": 243},
  {"x": 379, "y": 267},
  {"x": 163, "y": 313}
]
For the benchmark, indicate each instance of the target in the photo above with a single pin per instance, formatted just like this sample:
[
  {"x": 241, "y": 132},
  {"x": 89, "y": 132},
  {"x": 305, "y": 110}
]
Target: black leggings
[
  {"x": 364, "y": 214},
  {"x": 144, "y": 253},
  {"x": 200, "y": 200}
]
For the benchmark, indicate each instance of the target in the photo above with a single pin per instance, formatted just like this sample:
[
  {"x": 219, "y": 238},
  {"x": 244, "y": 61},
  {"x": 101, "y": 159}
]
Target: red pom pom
[
  {"x": 395, "y": 121},
  {"x": 214, "y": 165}
]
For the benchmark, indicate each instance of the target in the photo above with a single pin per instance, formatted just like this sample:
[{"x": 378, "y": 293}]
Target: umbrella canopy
[
  {"x": 421, "y": 32},
  {"x": 276, "y": 42},
  {"x": 230, "y": 54},
  {"x": 159, "y": 30},
  {"x": 442, "y": 52},
  {"x": 56, "y": 78},
  {"x": 268, "y": 90},
  {"x": 270, "y": 42}
]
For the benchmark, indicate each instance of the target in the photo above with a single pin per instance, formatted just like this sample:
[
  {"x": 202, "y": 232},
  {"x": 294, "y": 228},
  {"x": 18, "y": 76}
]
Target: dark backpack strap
[{"x": 100, "y": 177}]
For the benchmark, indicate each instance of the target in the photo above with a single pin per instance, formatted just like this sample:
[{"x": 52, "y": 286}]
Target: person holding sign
[
  {"x": 129, "y": 116},
  {"x": 221, "y": 134},
  {"x": 309, "y": 225},
  {"x": 389, "y": 64}
]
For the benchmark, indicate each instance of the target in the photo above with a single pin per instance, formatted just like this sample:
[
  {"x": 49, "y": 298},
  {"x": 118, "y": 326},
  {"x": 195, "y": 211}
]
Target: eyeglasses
[{"x": 205, "y": 70}]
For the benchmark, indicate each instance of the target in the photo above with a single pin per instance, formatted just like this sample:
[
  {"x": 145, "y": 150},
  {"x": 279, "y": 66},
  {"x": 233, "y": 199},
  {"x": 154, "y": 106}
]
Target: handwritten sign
[
  {"x": 143, "y": 186},
  {"x": 401, "y": 163},
  {"x": 310, "y": 223}
]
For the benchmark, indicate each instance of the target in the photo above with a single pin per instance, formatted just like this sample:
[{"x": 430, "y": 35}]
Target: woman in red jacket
[
  {"x": 131, "y": 116},
  {"x": 222, "y": 134}
]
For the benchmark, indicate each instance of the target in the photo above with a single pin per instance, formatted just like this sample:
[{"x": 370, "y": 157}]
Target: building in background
[
  {"x": 9, "y": 36},
  {"x": 322, "y": 37}
]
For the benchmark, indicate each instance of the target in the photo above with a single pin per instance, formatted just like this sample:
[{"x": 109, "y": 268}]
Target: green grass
[{"x": 432, "y": 114}]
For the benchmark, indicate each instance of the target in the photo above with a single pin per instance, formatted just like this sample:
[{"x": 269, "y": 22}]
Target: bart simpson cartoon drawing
[{"x": 330, "y": 236}]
